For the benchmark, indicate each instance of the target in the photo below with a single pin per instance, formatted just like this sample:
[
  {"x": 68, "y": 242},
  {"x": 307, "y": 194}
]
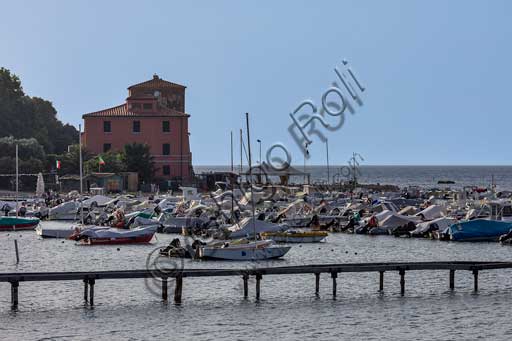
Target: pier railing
[{"x": 89, "y": 277}]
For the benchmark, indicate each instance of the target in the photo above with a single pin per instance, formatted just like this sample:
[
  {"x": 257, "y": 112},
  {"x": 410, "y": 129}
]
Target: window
[
  {"x": 106, "y": 147},
  {"x": 166, "y": 127},
  {"x": 135, "y": 105},
  {"x": 136, "y": 126},
  {"x": 147, "y": 106},
  {"x": 166, "y": 149},
  {"x": 107, "y": 127},
  {"x": 166, "y": 170}
]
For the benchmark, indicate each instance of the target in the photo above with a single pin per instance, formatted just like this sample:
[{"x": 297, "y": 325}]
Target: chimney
[{"x": 155, "y": 76}]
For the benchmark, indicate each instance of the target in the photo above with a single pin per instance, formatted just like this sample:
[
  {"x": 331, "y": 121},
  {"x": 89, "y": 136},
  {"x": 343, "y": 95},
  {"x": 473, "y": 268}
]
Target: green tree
[
  {"x": 31, "y": 159},
  {"x": 69, "y": 161},
  {"x": 137, "y": 158},
  {"x": 24, "y": 117},
  {"x": 114, "y": 163}
]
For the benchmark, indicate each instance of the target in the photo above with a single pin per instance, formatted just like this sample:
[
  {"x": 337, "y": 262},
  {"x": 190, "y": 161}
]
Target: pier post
[
  {"x": 402, "y": 282},
  {"x": 334, "y": 275},
  {"x": 14, "y": 294},
  {"x": 258, "y": 282},
  {"x": 164, "y": 289},
  {"x": 475, "y": 276},
  {"x": 86, "y": 289},
  {"x": 178, "y": 289},
  {"x": 452, "y": 279},
  {"x": 317, "y": 283},
  {"x": 246, "y": 285},
  {"x": 91, "y": 291},
  {"x": 381, "y": 281},
  {"x": 16, "y": 250}
]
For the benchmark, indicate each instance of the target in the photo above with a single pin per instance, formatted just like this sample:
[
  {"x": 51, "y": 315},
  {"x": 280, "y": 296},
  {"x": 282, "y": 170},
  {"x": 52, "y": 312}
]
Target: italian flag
[
  {"x": 100, "y": 161},
  {"x": 57, "y": 164}
]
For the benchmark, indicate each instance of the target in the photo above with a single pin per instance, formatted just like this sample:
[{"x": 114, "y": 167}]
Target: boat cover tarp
[
  {"x": 441, "y": 224},
  {"x": 431, "y": 212},
  {"x": 245, "y": 227},
  {"x": 107, "y": 232}
]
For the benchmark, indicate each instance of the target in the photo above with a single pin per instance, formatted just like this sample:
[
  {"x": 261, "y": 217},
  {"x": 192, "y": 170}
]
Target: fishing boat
[
  {"x": 101, "y": 235},
  {"x": 479, "y": 230},
  {"x": 292, "y": 236},
  {"x": 17, "y": 223},
  {"x": 243, "y": 250}
]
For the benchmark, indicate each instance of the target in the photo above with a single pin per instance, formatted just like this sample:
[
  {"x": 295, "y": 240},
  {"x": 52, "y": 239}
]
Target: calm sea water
[
  {"x": 427, "y": 176},
  {"x": 214, "y": 308}
]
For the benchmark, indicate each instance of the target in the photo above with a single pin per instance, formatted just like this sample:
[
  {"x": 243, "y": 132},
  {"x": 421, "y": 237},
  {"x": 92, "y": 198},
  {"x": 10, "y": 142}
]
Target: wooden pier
[{"x": 89, "y": 278}]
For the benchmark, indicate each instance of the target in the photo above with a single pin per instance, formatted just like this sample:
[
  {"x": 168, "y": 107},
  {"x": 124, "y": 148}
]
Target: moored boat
[
  {"x": 17, "y": 223},
  {"x": 101, "y": 235},
  {"x": 479, "y": 230},
  {"x": 243, "y": 250},
  {"x": 292, "y": 236}
]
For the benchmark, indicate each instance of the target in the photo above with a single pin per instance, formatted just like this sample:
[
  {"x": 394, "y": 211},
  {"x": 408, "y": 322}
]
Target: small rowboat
[
  {"x": 292, "y": 236},
  {"x": 100, "y": 235},
  {"x": 17, "y": 223}
]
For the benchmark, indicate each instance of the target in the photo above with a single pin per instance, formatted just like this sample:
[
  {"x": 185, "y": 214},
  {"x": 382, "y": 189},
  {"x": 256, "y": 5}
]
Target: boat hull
[
  {"x": 17, "y": 224},
  {"x": 295, "y": 237},
  {"x": 115, "y": 241},
  {"x": 478, "y": 230},
  {"x": 54, "y": 232},
  {"x": 243, "y": 254}
]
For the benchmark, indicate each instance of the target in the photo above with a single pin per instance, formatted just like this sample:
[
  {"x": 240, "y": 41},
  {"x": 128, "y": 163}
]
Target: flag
[
  {"x": 100, "y": 161},
  {"x": 57, "y": 164}
]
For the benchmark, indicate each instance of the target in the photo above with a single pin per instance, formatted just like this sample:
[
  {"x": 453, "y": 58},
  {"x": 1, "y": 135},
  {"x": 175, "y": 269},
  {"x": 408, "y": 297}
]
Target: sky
[{"x": 436, "y": 73}]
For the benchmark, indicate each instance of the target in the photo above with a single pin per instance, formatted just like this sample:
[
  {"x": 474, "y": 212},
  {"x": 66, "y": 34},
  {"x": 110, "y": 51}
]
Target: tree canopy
[
  {"x": 137, "y": 158},
  {"x": 23, "y": 116}
]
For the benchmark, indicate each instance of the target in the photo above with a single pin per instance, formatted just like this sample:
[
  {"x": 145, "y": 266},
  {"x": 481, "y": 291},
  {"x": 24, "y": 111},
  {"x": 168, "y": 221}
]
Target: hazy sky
[{"x": 437, "y": 73}]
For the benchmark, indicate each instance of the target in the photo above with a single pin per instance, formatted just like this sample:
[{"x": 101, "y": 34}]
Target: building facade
[{"x": 153, "y": 114}]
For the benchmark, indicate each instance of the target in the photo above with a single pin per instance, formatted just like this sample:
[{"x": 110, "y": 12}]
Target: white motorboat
[{"x": 249, "y": 251}]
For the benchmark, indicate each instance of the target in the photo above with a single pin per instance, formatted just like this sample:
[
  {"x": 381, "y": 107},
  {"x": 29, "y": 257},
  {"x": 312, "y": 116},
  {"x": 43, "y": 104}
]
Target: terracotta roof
[
  {"x": 157, "y": 82},
  {"x": 121, "y": 111}
]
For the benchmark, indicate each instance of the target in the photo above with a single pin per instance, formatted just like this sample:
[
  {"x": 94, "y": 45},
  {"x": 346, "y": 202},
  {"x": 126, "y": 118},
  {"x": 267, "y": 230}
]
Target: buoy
[{"x": 118, "y": 249}]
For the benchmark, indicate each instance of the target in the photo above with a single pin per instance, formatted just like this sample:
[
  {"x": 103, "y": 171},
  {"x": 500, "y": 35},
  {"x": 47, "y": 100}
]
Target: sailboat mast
[
  {"x": 232, "y": 169},
  {"x": 250, "y": 174},
  {"x": 16, "y": 181},
  {"x": 81, "y": 175},
  {"x": 241, "y": 154}
]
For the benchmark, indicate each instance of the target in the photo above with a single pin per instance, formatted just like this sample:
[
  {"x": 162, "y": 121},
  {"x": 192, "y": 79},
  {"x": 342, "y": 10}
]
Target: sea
[
  {"x": 402, "y": 176},
  {"x": 214, "y": 308}
]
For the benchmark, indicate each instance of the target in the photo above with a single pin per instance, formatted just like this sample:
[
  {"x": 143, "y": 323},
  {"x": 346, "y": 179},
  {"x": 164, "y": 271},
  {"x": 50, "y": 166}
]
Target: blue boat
[{"x": 479, "y": 230}]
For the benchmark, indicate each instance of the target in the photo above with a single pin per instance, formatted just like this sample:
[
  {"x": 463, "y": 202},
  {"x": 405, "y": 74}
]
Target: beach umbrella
[{"x": 40, "y": 185}]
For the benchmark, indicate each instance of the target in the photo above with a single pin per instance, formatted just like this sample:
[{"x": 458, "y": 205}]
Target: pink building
[{"x": 154, "y": 114}]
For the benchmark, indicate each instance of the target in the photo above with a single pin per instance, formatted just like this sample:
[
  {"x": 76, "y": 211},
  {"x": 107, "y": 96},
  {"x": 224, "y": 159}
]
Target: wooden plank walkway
[{"x": 89, "y": 277}]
